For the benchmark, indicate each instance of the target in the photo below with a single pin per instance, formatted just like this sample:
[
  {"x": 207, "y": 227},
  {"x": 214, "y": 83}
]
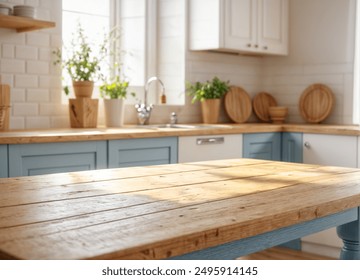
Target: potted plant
[
  {"x": 81, "y": 63},
  {"x": 114, "y": 93},
  {"x": 209, "y": 94}
]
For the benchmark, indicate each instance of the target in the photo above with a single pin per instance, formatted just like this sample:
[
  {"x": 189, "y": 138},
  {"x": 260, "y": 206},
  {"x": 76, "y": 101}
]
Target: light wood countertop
[
  {"x": 158, "y": 212},
  {"x": 129, "y": 132}
]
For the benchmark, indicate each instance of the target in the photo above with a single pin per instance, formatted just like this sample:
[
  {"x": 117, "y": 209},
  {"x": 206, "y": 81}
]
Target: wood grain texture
[
  {"x": 238, "y": 104},
  {"x": 23, "y": 24},
  {"x": 316, "y": 103},
  {"x": 261, "y": 103},
  {"x": 162, "y": 211},
  {"x": 83, "y": 112},
  {"x": 210, "y": 110},
  {"x": 133, "y": 132},
  {"x": 278, "y": 253},
  {"x": 4, "y": 107}
]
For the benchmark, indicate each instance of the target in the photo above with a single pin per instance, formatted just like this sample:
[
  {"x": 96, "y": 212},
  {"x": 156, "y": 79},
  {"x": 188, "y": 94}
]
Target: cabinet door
[
  {"x": 201, "y": 148},
  {"x": 333, "y": 150},
  {"x": 4, "y": 161},
  {"x": 273, "y": 26},
  {"x": 262, "y": 146},
  {"x": 142, "y": 152},
  {"x": 239, "y": 31},
  {"x": 291, "y": 150},
  {"x": 47, "y": 158}
]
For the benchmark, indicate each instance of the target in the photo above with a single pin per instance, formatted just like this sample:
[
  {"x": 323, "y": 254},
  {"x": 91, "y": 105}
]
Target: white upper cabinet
[{"x": 244, "y": 26}]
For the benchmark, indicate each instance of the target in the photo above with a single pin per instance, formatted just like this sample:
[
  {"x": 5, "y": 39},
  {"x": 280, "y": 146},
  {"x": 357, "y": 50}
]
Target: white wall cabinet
[
  {"x": 249, "y": 26},
  {"x": 333, "y": 150},
  {"x": 212, "y": 147}
]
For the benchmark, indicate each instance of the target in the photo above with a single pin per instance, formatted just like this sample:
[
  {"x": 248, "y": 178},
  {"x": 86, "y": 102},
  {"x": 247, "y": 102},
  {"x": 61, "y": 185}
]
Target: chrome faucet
[{"x": 143, "y": 109}]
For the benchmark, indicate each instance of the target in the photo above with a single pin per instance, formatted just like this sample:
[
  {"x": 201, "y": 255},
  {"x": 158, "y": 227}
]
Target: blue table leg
[{"x": 350, "y": 234}]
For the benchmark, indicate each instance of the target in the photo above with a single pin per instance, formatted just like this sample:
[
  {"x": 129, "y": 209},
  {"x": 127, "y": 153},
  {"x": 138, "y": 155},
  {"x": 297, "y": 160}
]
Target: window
[
  {"x": 356, "y": 114},
  {"x": 152, "y": 38}
]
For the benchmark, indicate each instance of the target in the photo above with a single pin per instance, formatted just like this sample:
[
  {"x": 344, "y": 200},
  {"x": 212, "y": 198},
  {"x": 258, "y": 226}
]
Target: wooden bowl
[{"x": 278, "y": 113}]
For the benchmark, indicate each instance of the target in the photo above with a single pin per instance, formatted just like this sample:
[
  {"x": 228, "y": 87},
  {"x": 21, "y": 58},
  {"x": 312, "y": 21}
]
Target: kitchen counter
[
  {"x": 216, "y": 209},
  {"x": 130, "y": 132}
]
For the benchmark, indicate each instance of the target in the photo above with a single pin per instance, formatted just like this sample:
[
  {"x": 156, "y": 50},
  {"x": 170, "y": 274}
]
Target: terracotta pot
[
  {"x": 114, "y": 112},
  {"x": 210, "y": 109},
  {"x": 83, "y": 89}
]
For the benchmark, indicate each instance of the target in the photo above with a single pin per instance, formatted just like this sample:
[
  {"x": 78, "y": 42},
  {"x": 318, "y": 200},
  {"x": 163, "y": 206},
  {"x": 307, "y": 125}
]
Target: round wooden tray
[
  {"x": 238, "y": 104},
  {"x": 261, "y": 103},
  {"x": 316, "y": 103}
]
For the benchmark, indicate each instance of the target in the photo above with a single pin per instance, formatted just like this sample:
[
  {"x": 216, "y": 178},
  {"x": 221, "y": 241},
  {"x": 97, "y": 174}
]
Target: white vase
[{"x": 114, "y": 112}]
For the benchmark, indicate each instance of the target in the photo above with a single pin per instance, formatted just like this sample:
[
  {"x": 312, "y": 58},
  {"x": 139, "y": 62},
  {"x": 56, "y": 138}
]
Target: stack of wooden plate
[
  {"x": 316, "y": 103},
  {"x": 24, "y": 11},
  {"x": 261, "y": 104},
  {"x": 238, "y": 104}
]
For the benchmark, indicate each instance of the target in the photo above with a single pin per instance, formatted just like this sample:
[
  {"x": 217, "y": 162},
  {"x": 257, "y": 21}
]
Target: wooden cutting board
[
  {"x": 261, "y": 103},
  {"x": 316, "y": 103},
  {"x": 5, "y": 104},
  {"x": 238, "y": 104}
]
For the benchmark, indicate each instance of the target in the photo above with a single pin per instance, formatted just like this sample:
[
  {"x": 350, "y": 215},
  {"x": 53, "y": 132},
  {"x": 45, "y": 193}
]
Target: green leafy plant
[
  {"x": 80, "y": 61},
  {"x": 115, "y": 89},
  {"x": 209, "y": 90}
]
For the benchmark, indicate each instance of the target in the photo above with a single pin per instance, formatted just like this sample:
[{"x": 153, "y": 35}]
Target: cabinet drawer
[
  {"x": 4, "y": 170},
  {"x": 47, "y": 158},
  {"x": 262, "y": 146},
  {"x": 142, "y": 152},
  {"x": 201, "y": 148}
]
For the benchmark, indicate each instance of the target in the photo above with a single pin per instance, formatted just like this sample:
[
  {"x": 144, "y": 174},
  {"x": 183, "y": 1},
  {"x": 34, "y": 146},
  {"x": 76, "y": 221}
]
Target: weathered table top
[{"x": 164, "y": 211}]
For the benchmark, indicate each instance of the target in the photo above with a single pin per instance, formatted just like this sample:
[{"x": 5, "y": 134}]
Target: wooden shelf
[{"x": 23, "y": 24}]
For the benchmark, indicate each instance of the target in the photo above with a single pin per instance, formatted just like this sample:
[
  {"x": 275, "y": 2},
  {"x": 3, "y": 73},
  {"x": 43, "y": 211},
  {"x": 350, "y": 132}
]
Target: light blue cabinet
[
  {"x": 291, "y": 149},
  {"x": 262, "y": 146},
  {"x": 4, "y": 169},
  {"x": 46, "y": 158},
  {"x": 142, "y": 152}
]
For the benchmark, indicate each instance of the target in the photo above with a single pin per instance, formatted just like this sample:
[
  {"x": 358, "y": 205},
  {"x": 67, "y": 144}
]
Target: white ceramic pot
[{"x": 114, "y": 112}]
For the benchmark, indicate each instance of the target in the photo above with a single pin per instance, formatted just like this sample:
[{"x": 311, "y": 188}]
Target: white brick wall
[
  {"x": 315, "y": 56},
  {"x": 26, "y": 64}
]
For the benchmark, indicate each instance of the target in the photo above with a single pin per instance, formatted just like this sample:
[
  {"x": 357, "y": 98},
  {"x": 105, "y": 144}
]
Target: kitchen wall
[
  {"x": 26, "y": 64},
  {"x": 321, "y": 50}
]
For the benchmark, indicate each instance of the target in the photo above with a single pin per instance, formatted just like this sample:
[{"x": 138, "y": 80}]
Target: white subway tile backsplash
[
  {"x": 17, "y": 2},
  {"x": 51, "y": 109},
  {"x": 37, "y": 67},
  {"x": 17, "y": 122},
  {"x": 13, "y": 66},
  {"x": 37, "y": 122},
  {"x": 25, "y": 109},
  {"x": 7, "y": 79},
  {"x": 34, "y": 3},
  {"x": 38, "y": 95},
  {"x": 7, "y": 51},
  {"x": 60, "y": 122},
  {"x": 26, "y": 52},
  {"x": 26, "y": 81},
  {"x": 38, "y": 39},
  {"x": 17, "y": 95},
  {"x": 50, "y": 81}
]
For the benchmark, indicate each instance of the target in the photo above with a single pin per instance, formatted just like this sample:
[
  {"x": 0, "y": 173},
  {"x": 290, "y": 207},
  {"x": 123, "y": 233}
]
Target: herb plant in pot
[
  {"x": 114, "y": 94},
  {"x": 81, "y": 63},
  {"x": 209, "y": 94}
]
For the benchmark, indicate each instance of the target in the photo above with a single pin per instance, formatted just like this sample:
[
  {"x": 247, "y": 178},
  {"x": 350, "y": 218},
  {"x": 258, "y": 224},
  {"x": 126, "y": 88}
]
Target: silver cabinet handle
[
  {"x": 307, "y": 145},
  {"x": 206, "y": 141}
]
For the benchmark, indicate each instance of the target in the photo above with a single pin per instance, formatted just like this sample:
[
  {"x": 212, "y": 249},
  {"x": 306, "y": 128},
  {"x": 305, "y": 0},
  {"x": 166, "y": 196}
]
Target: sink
[{"x": 184, "y": 126}]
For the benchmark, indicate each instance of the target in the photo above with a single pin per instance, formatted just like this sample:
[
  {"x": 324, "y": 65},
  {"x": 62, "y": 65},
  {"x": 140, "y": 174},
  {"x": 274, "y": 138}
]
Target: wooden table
[{"x": 219, "y": 210}]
